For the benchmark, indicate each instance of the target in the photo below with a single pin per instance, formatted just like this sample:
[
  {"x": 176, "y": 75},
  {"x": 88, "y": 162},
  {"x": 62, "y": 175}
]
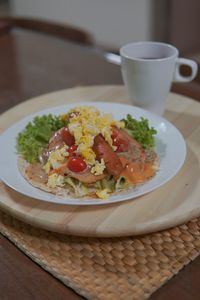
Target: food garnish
[
  {"x": 36, "y": 135},
  {"x": 87, "y": 153},
  {"x": 141, "y": 131}
]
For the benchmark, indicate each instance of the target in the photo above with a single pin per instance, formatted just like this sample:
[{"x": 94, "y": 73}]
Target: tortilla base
[{"x": 22, "y": 166}]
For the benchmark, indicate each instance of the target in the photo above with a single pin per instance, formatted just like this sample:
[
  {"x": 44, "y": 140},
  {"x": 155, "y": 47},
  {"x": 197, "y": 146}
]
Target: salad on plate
[{"x": 87, "y": 153}]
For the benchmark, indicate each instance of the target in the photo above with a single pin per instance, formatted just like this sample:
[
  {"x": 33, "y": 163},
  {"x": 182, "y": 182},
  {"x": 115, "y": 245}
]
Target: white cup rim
[{"x": 131, "y": 57}]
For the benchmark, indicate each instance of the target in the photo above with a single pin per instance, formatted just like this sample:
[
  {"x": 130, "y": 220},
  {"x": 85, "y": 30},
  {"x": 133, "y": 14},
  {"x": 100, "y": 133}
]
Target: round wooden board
[{"x": 172, "y": 204}]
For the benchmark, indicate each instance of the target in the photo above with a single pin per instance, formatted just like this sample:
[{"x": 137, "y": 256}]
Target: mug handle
[{"x": 188, "y": 62}]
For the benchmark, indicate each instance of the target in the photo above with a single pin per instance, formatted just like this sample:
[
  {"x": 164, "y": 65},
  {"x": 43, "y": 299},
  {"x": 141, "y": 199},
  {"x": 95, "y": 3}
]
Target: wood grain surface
[{"x": 174, "y": 203}]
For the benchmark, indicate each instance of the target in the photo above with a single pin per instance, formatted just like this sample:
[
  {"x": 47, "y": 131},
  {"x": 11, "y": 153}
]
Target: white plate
[{"x": 170, "y": 147}]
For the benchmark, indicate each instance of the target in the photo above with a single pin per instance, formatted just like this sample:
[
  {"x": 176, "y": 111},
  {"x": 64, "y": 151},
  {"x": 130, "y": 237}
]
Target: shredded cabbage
[
  {"x": 107, "y": 184},
  {"x": 121, "y": 183},
  {"x": 80, "y": 189}
]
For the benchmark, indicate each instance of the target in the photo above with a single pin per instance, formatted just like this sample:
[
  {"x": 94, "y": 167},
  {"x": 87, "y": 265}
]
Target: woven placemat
[{"x": 112, "y": 268}]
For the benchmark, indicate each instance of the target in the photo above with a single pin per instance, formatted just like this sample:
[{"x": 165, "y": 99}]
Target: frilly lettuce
[
  {"x": 36, "y": 136},
  {"x": 141, "y": 131}
]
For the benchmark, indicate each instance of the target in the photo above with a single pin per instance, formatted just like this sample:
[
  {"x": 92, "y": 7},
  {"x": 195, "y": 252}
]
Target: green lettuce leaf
[
  {"x": 36, "y": 136},
  {"x": 141, "y": 131}
]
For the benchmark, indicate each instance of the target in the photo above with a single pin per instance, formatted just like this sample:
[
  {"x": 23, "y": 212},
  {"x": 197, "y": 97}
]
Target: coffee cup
[{"x": 148, "y": 70}]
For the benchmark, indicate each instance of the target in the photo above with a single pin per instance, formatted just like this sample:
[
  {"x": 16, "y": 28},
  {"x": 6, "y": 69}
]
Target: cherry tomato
[
  {"x": 76, "y": 164},
  {"x": 72, "y": 150},
  {"x": 120, "y": 142},
  {"x": 67, "y": 137}
]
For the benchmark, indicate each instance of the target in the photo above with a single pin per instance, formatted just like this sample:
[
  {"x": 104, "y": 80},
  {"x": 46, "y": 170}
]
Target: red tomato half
[
  {"x": 67, "y": 137},
  {"x": 76, "y": 164},
  {"x": 72, "y": 150}
]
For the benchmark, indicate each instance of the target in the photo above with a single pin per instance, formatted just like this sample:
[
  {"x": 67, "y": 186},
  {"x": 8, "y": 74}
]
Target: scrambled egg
[
  {"x": 98, "y": 168},
  {"x": 56, "y": 158},
  {"x": 85, "y": 122}
]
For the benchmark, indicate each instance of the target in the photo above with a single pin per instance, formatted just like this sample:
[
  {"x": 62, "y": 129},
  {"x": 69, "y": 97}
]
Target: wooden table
[{"x": 34, "y": 64}]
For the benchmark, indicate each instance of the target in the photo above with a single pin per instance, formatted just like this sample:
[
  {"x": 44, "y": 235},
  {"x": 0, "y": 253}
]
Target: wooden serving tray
[{"x": 172, "y": 204}]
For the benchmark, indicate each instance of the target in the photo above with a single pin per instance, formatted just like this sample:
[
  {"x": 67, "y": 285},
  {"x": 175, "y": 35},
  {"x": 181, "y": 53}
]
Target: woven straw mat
[{"x": 134, "y": 267}]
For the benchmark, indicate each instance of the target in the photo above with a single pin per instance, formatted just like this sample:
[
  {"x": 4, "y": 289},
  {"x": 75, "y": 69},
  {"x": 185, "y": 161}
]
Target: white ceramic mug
[{"x": 148, "y": 69}]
